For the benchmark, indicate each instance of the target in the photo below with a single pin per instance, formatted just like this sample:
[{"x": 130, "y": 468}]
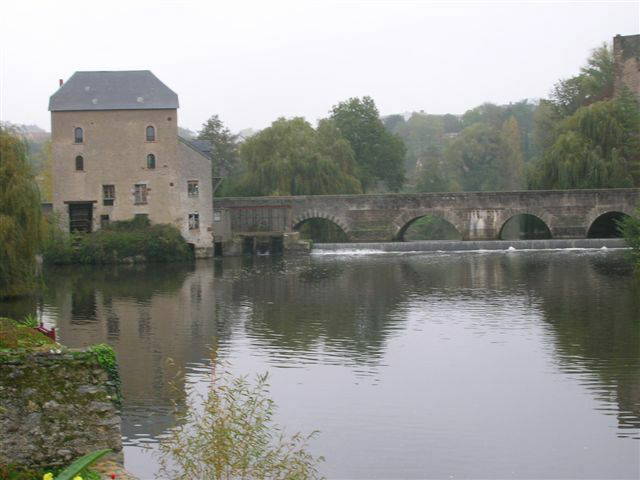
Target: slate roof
[
  {"x": 205, "y": 148},
  {"x": 115, "y": 90}
]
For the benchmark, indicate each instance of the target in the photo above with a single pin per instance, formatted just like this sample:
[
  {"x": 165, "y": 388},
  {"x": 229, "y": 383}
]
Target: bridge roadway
[{"x": 385, "y": 217}]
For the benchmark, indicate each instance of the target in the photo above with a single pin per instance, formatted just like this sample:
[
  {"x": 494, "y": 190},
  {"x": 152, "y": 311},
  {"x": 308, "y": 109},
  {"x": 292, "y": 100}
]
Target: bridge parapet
[{"x": 476, "y": 215}]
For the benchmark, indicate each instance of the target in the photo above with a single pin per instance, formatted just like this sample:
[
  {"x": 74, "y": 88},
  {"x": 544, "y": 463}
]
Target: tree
[
  {"x": 436, "y": 175},
  {"x": 423, "y": 136},
  {"x": 597, "y": 147},
  {"x": 225, "y": 145},
  {"x": 512, "y": 159},
  {"x": 594, "y": 83},
  {"x": 292, "y": 158},
  {"x": 20, "y": 218},
  {"x": 476, "y": 153},
  {"x": 487, "y": 113},
  {"x": 379, "y": 155}
]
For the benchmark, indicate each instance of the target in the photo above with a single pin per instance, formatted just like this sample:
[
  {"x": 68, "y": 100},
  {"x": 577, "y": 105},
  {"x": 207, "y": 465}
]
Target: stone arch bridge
[{"x": 385, "y": 217}]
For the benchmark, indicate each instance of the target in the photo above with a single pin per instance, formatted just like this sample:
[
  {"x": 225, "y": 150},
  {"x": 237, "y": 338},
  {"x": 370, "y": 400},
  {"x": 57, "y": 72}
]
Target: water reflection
[{"x": 326, "y": 318}]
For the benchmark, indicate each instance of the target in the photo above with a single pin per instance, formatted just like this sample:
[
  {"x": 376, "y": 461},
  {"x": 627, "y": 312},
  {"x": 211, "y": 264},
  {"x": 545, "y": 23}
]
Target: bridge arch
[
  {"x": 405, "y": 220},
  {"x": 524, "y": 226},
  {"x": 301, "y": 219},
  {"x": 605, "y": 225}
]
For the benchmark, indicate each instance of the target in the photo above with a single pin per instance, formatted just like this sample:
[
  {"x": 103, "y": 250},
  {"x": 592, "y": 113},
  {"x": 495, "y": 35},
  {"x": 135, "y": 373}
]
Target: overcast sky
[{"x": 251, "y": 62}]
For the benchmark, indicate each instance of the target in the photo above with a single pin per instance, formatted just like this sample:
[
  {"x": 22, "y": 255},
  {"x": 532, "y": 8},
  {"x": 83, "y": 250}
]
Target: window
[
  {"x": 104, "y": 221},
  {"x": 79, "y": 163},
  {"x": 194, "y": 221},
  {"x": 108, "y": 194},
  {"x": 78, "y": 135},
  {"x": 151, "y": 134},
  {"x": 151, "y": 161},
  {"x": 192, "y": 188},
  {"x": 140, "y": 194}
]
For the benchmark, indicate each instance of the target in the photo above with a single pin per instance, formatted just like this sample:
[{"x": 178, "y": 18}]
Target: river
[{"x": 438, "y": 365}]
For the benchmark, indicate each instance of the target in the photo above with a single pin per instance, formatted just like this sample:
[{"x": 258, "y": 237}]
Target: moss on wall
[{"x": 57, "y": 405}]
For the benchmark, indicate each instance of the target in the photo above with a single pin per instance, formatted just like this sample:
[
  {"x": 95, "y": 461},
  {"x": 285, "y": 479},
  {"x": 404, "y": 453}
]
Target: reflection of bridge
[{"x": 476, "y": 215}]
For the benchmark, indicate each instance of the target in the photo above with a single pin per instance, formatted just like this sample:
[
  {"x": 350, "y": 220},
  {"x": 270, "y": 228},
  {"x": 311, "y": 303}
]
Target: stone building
[
  {"x": 116, "y": 155},
  {"x": 626, "y": 54}
]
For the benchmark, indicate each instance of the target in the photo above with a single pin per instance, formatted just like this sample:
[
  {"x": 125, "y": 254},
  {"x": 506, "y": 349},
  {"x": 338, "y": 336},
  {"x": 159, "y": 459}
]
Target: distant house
[{"x": 116, "y": 154}]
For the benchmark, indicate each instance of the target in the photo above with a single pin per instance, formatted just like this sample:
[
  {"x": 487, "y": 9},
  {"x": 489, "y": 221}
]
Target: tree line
[{"x": 581, "y": 136}]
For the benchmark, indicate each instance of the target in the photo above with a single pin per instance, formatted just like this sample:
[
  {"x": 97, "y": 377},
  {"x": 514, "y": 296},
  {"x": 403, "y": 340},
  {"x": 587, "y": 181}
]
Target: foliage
[
  {"x": 106, "y": 358},
  {"x": 44, "y": 176},
  {"x": 594, "y": 83},
  {"x": 125, "y": 241},
  {"x": 30, "y": 320},
  {"x": 435, "y": 144},
  {"x": 292, "y": 158},
  {"x": 477, "y": 158},
  {"x": 423, "y": 136},
  {"x": 512, "y": 158},
  {"x": 225, "y": 145},
  {"x": 21, "y": 223},
  {"x": 15, "y": 335},
  {"x": 81, "y": 464},
  {"x": 19, "y": 472},
  {"x": 379, "y": 154},
  {"x": 229, "y": 434},
  {"x": 630, "y": 227},
  {"x": 596, "y": 147}
]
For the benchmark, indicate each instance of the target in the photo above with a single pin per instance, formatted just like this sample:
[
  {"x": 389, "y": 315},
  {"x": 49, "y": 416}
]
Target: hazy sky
[{"x": 251, "y": 62}]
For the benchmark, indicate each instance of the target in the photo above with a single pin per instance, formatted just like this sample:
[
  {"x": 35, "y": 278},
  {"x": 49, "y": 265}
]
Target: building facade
[{"x": 116, "y": 154}]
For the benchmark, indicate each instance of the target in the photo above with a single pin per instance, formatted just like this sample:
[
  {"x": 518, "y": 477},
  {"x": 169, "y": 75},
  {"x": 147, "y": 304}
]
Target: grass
[{"x": 14, "y": 335}]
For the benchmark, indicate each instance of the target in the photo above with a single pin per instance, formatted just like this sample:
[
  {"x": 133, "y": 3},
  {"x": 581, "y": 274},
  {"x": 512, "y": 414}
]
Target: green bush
[
  {"x": 130, "y": 241},
  {"x": 630, "y": 228},
  {"x": 229, "y": 433}
]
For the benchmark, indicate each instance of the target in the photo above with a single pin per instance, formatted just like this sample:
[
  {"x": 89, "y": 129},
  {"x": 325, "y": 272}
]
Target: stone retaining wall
[{"x": 55, "y": 407}]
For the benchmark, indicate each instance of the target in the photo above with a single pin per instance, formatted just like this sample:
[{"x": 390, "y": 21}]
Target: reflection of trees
[
  {"x": 598, "y": 330},
  {"x": 319, "y": 303},
  {"x": 343, "y": 310}
]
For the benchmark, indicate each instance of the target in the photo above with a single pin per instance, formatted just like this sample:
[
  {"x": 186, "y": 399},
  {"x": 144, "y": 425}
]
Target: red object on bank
[{"x": 51, "y": 333}]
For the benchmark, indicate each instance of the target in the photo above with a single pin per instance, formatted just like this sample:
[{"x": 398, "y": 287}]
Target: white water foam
[{"x": 510, "y": 250}]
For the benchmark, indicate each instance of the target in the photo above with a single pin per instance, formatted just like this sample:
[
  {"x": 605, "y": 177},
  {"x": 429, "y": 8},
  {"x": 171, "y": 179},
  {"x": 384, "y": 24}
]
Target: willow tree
[
  {"x": 292, "y": 158},
  {"x": 596, "y": 147},
  {"x": 20, "y": 218}
]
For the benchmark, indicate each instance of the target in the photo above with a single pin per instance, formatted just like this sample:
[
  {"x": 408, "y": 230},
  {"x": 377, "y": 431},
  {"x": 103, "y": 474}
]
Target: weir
[{"x": 477, "y": 245}]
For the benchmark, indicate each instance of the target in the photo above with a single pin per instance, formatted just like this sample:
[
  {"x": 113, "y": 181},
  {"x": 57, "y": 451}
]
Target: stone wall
[
  {"x": 476, "y": 215},
  {"x": 626, "y": 55},
  {"x": 55, "y": 407}
]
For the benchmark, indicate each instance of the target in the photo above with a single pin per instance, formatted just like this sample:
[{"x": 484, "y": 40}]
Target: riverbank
[{"x": 470, "y": 245}]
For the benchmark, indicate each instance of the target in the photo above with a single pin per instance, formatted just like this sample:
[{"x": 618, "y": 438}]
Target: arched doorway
[
  {"x": 525, "y": 226},
  {"x": 428, "y": 227},
  {"x": 606, "y": 225},
  {"x": 321, "y": 230}
]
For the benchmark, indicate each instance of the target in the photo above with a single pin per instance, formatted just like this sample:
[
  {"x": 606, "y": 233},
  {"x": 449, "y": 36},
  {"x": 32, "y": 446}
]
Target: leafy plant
[
  {"x": 30, "y": 320},
  {"x": 228, "y": 434},
  {"x": 106, "y": 357},
  {"x": 81, "y": 464},
  {"x": 630, "y": 228}
]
